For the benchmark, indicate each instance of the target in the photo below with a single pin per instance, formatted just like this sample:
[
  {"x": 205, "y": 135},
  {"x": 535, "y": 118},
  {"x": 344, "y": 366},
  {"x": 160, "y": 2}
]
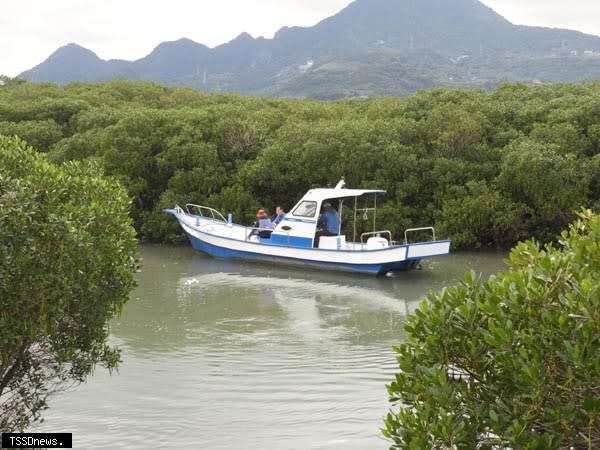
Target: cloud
[{"x": 581, "y": 15}]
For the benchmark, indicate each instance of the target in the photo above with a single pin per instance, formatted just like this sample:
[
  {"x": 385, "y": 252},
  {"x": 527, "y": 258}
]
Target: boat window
[{"x": 305, "y": 209}]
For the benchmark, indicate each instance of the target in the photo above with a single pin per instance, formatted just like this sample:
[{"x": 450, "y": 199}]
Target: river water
[{"x": 223, "y": 355}]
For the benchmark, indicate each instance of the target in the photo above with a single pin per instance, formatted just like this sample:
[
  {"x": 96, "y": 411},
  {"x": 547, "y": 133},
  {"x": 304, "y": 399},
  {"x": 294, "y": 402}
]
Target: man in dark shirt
[{"x": 328, "y": 223}]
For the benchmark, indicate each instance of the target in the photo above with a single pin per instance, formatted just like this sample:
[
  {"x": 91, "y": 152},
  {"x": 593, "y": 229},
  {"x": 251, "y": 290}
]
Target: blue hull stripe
[{"x": 221, "y": 252}]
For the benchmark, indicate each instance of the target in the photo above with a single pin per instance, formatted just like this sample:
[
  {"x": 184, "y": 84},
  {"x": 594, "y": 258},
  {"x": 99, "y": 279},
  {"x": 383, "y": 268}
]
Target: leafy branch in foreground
[
  {"x": 68, "y": 257},
  {"x": 511, "y": 362}
]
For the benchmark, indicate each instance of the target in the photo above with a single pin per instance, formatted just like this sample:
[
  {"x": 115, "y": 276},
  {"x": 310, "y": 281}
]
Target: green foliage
[
  {"x": 487, "y": 169},
  {"x": 41, "y": 134},
  {"x": 68, "y": 256},
  {"x": 475, "y": 215},
  {"x": 511, "y": 362},
  {"x": 548, "y": 183}
]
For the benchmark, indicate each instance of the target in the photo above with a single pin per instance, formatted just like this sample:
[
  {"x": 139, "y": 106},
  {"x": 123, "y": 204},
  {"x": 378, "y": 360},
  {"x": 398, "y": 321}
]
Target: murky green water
[{"x": 224, "y": 355}]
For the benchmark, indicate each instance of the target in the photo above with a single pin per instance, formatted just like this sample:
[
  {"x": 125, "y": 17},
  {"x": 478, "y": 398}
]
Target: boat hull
[
  {"x": 372, "y": 268},
  {"x": 222, "y": 240}
]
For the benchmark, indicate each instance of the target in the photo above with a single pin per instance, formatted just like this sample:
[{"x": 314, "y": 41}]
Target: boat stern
[{"x": 421, "y": 250}]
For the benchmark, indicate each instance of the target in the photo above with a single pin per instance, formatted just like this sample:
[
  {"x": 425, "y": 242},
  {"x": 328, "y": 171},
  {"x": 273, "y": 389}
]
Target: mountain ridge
[{"x": 467, "y": 34}]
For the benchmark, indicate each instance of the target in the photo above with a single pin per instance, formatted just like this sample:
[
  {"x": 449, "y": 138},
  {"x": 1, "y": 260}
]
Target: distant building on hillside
[{"x": 304, "y": 67}]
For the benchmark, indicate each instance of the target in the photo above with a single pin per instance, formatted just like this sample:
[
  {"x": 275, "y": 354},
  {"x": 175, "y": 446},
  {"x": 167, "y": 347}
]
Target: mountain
[{"x": 372, "y": 47}]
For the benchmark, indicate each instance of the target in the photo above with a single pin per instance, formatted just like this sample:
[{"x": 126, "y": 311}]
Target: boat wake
[{"x": 293, "y": 288}]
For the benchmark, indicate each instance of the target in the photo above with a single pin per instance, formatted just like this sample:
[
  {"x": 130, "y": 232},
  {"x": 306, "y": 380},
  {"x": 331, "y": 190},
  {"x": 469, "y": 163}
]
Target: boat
[{"x": 293, "y": 240}]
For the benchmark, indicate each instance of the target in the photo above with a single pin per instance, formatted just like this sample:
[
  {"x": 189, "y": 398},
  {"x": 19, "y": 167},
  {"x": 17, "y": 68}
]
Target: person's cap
[
  {"x": 326, "y": 204},
  {"x": 260, "y": 213}
]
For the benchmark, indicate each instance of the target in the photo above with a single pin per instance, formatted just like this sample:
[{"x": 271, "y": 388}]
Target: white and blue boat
[{"x": 292, "y": 240}]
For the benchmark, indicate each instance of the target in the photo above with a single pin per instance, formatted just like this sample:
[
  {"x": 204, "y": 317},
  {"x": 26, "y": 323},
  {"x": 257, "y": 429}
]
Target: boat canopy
[
  {"x": 325, "y": 194},
  {"x": 321, "y": 194}
]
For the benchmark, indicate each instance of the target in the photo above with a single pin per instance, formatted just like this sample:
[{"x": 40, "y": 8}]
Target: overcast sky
[{"x": 31, "y": 30}]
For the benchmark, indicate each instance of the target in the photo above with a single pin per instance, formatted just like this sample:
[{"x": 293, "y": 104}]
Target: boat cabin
[{"x": 299, "y": 227}]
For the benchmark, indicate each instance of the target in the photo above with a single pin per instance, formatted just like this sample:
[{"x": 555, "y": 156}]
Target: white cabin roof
[
  {"x": 338, "y": 191},
  {"x": 322, "y": 194}
]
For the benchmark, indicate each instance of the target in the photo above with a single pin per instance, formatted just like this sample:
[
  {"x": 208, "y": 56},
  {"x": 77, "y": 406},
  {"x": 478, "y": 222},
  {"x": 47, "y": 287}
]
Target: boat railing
[
  {"x": 379, "y": 233},
  {"x": 204, "y": 211},
  {"x": 414, "y": 230}
]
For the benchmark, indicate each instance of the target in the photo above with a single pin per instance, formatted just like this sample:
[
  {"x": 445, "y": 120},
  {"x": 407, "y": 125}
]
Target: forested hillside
[
  {"x": 371, "y": 47},
  {"x": 488, "y": 169}
]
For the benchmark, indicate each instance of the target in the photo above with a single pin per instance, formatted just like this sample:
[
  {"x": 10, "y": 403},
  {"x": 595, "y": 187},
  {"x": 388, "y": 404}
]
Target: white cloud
[{"x": 581, "y": 15}]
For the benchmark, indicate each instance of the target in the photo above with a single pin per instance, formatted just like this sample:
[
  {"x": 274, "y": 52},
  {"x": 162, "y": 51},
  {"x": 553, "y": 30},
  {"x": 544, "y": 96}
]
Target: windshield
[{"x": 305, "y": 209}]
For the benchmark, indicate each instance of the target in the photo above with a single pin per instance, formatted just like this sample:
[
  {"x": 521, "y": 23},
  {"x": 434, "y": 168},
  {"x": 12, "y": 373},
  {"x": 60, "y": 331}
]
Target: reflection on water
[{"x": 220, "y": 354}]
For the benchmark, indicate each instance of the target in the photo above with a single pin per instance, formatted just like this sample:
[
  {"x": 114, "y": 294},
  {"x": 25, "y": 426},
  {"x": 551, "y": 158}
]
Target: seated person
[
  {"x": 328, "y": 223},
  {"x": 263, "y": 226}
]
